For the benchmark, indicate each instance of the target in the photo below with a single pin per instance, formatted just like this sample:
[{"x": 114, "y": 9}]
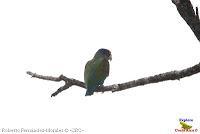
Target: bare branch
[
  {"x": 68, "y": 82},
  {"x": 172, "y": 75},
  {"x": 191, "y": 17}
]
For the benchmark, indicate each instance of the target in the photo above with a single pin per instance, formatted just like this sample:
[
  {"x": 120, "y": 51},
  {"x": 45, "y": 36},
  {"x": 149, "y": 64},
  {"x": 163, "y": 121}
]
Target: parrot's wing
[
  {"x": 96, "y": 71},
  {"x": 88, "y": 71}
]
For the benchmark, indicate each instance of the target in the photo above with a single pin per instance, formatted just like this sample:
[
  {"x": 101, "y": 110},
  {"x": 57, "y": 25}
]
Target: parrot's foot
[
  {"x": 102, "y": 87},
  {"x": 115, "y": 88}
]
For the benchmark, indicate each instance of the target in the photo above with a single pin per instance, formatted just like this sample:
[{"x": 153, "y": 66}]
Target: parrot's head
[{"x": 105, "y": 53}]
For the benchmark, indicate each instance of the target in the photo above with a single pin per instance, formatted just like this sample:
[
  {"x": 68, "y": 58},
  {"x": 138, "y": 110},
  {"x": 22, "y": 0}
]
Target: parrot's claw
[
  {"x": 101, "y": 87},
  {"x": 115, "y": 88}
]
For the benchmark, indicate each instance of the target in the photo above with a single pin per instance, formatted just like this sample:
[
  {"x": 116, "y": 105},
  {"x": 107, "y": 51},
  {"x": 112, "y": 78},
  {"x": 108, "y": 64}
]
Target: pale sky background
[{"x": 58, "y": 37}]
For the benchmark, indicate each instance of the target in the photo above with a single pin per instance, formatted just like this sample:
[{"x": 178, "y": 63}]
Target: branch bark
[
  {"x": 191, "y": 17},
  {"x": 172, "y": 75}
]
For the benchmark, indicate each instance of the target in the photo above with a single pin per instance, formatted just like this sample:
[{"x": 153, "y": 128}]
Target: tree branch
[
  {"x": 191, "y": 17},
  {"x": 172, "y": 75}
]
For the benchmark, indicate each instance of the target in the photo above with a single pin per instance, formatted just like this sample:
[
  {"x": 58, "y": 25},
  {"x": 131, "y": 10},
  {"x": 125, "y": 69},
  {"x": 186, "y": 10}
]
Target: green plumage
[{"x": 96, "y": 71}]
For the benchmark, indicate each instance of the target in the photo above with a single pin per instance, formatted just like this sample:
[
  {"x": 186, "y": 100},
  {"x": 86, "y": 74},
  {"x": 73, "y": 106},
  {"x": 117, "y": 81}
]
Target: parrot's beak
[{"x": 110, "y": 57}]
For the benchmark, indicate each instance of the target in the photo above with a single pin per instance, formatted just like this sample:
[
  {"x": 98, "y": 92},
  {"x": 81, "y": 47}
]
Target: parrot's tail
[{"x": 89, "y": 93}]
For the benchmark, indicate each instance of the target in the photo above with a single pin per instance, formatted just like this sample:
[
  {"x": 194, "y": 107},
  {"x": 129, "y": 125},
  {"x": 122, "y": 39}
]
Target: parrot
[
  {"x": 96, "y": 70},
  {"x": 184, "y": 125}
]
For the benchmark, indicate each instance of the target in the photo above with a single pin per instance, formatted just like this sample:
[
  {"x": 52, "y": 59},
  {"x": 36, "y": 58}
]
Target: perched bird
[
  {"x": 96, "y": 70},
  {"x": 185, "y": 125}
]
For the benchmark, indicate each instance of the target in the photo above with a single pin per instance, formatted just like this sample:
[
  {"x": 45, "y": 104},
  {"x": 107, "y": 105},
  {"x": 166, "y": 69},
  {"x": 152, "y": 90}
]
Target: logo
[{"x": 185, "y": 125}]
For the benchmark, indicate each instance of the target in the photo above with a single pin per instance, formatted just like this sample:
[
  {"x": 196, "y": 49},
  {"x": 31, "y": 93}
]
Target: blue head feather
[{"x": 103, "y": 53}]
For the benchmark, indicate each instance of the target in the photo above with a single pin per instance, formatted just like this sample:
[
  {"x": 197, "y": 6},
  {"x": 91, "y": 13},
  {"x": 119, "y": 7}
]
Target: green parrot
[
  {"x": 96, "y": 70},
  {"x": 184, "y": 125}
]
